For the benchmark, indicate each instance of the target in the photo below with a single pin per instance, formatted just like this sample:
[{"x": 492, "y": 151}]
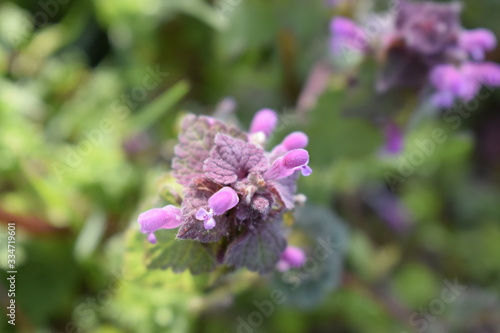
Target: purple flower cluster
[
  {"x": 235, "y": 192},
  {"x": 429, "y": 44}
]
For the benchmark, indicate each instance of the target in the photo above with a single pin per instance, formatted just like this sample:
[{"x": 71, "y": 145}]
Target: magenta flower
[
  {"x": 487, "y": 73},
  {"x": 462, "y": 82},
  {"x": 292, "y": 257},
  {"x": 168, "y": 217},
  {"x": 235, "y": 193},
  {"x": 424, "y": 44},
  {"x": 477, "y": 42},
  {"x": 449, "y": 83},
  {"x": 294, "y": 140},
  {"x": 264, "y": 121},
  {"x": 347, "y": 34},
  {"x": 289, "y": 163},
  {"x": 219, "y": 203}
]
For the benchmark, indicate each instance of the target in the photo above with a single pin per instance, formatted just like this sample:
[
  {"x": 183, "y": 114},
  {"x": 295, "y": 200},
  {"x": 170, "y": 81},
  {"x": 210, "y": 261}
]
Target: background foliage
[{"x": 87, "y": 132}]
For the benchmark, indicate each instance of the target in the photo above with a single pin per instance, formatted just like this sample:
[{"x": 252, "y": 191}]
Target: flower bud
[
  {"x": 219, "y": 203},
  {"x": 264, "y": 121},
  {"x": 295, "y": 140},
  {"x": 476, "y": 42},
  {"x": 346, "y": 34}
]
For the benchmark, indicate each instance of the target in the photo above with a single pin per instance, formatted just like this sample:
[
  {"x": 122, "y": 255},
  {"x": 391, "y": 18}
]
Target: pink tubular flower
[
  {"x": 446, "y": 77},
  {"x": 286, "y": 165},
  {"x": 474, "y": 75},
  {"x": 294, "y": 140},
  {"x": 346, "y": 34},
  {"x": 476, "y": 42},
  {"x": 464, "y": 82},
  {"x": 264, "y": 121},
  {"x": 487, "y": 73},
  {"x": 219, "y": 203},
  {"x": 292, "y": 257},
  {"x": 449, "y": 83},
  {"x": 168, "y": 217}
]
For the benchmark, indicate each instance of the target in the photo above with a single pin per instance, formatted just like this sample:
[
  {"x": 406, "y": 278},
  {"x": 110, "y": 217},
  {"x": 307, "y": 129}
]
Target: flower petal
[
  {"x": 223, "y": 200},
  {"x": 264, "y": 121}
]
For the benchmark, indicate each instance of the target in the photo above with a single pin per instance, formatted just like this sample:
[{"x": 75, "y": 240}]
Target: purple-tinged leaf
[
  {"x": 233, "y": 159},
  {"x": 195, "y": 142},
  {"x": 285, "y": 189},
  {"x": 258, "y": 250}
]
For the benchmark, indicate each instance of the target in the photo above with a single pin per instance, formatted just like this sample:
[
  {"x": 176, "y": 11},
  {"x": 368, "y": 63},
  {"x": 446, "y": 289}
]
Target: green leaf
[
  {"x": 151, "y": 112},
  {"x": 328, "y": 129},
  {"x": 180, "y": 255},
  {"x": 259, "y": 250}
]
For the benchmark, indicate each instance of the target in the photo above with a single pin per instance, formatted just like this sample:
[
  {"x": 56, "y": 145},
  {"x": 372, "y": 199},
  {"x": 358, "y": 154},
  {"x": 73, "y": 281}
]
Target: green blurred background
[{"x": 91, "y": 95}]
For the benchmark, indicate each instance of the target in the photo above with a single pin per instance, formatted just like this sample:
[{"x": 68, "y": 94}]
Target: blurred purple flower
[
  {"x": 292, "y": 257},
  {"x": 462, "y": 82},
  {"x": 477, "y": 42},
  {"x": 449, "y": 83},
  {"x": 394, "y": 141},
  {"x": 425, "y": 41},
  {"x": 427, "y": 27},
  {"x": 345, "y": 33},
  {"x": 389, "y": 208}
]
